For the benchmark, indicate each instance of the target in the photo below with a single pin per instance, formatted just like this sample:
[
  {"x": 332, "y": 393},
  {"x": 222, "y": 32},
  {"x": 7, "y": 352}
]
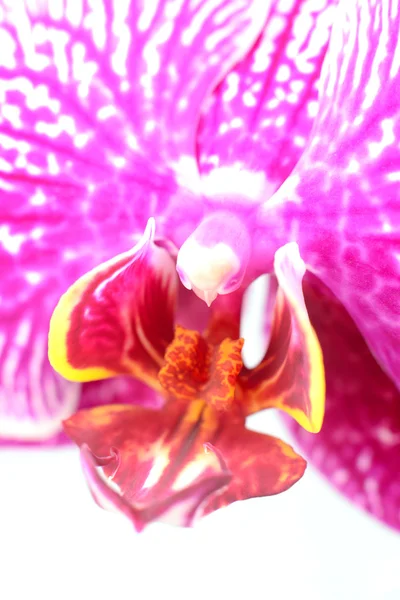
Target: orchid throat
[{"x": 214, "y": 258}]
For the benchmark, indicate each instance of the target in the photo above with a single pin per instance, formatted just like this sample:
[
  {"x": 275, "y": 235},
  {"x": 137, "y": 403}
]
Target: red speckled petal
[
  {"x": 358, "y": 448},
  {"x": 150, "y": 465},
  {"x": 261, "y": 115},
  {"x": 291, "y": 376},
  {"x": 118, "y": 318},
  {"x": 261, "y": 465},
  {"x": 100, "y": 102},
  {"x": 195, "y": 369}
]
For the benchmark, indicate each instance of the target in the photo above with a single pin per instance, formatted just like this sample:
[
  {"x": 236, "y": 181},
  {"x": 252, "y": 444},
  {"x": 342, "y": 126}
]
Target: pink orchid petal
[
  {"x": 358, "y": 448},
  {"x": 116, "y": 73},
  {"x": 34, "y": 428},
  {"x": 33, "y": 398},
  {"x": 261, "y": 115},
  {"x": 100, "y": 103},
  {"x": 342, "y": 201}
]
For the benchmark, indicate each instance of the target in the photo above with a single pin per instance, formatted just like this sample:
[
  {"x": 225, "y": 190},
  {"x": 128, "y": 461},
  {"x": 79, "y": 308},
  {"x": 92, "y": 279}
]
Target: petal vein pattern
[
  {"x": 342, "y": 200},
  {"x": 259, "y": 118},
  {"x": 99, "y": 107}
]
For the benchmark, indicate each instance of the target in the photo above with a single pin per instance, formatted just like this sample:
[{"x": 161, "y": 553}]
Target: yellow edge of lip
[{"x": 60, "y": 323}]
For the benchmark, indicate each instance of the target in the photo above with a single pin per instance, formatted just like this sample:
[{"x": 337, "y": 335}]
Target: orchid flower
[
  {"x": 207, "y": 117},
  {"x": 192, "y": 454}
]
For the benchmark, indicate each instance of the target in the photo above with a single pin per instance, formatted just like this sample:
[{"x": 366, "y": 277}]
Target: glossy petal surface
[
  {"x": 358, "y": 448},
  {"x": 100, "y": 102},
  {"x": 343, "y": 197},
  {"x": 156, "y": 464},
  {"x": 172, "y": 465},
  {"x": 118, "y": 318},
  {"x": 261, "y": 465},
  {"x": 291, "y": 375}
]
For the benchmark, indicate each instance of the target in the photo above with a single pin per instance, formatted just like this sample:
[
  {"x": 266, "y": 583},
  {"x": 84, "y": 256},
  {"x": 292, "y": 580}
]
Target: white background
[{"x": 309, "y": 543}]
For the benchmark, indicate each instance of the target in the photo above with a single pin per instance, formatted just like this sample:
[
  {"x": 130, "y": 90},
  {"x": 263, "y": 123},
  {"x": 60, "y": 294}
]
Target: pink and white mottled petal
[
  {"x": 257, "y": 319},
  {"x": 34, "y": 418},
  {"x": 358, "y": 448},
  {"x": 109, "y": 95},
  {"x": 261, "y": 115},
  {"x": 99, "y": 105},
  {"x": 33, "y": 398},
  {"x": 342, "y": 203}
]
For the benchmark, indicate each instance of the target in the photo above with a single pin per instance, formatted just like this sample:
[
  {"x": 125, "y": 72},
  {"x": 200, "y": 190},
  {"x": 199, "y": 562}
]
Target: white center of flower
[{"x": 205, "y": 270}]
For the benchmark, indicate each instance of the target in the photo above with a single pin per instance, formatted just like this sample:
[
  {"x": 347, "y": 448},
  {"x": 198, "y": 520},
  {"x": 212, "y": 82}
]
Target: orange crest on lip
[{"x": 197, "y": 369}]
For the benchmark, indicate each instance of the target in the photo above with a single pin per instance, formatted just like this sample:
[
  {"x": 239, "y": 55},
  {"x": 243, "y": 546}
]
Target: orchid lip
[{"x": 152, "y": 464}]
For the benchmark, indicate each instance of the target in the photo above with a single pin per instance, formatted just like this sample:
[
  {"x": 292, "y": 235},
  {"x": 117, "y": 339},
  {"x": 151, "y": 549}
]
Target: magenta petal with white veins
[
  {"x": 260, "y": 117},
  {"x": 99, "y": 107},
  {"x": 342, "y": 202}
]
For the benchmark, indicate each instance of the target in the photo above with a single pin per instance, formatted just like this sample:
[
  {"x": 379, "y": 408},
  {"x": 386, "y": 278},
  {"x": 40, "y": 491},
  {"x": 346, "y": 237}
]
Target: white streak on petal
[
  {"x": 56, "y": 9},
  {"x": 234, "y": 181},
  {"x": 95, "y": 22},
  {"x": 252, "y": 321},
  {"x": 74, "y": 12},
  {"x": 393, "y": 176},
  {"x": 8, "y": 47},
  {"x": 105, "y": 112},
  {"x": 147, "y": 15},
  {"x": 388, "y": 138},
  {"x": 123, "y": 35},
  {"x": 10, "y": 242}
]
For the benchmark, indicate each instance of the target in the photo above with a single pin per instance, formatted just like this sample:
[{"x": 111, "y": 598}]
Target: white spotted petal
[{"x": 100, "y": 102}]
